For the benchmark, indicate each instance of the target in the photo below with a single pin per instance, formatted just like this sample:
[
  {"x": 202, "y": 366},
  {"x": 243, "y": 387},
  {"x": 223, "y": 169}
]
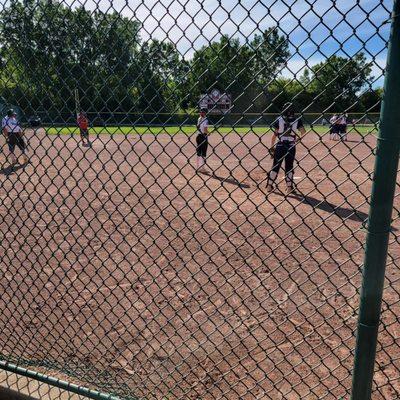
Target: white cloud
[{"x": 316, "y": 29}]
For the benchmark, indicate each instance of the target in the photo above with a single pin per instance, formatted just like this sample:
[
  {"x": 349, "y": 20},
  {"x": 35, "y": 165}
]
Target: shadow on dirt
[{"x": 230, "y": 180}]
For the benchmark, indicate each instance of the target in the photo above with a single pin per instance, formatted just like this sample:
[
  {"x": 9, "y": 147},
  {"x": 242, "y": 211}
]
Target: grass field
[{"x": 172, "y": 130}]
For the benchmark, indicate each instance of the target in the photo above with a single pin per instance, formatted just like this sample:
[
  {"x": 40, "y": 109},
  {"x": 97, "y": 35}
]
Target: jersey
[
  {"x": 287, "y": 128},
  {"x": 202, "y": 124},
  {"x": 10, "y": 125},
  {"x": 83, "y": 122},
  {"x": 334, "y": 119}
]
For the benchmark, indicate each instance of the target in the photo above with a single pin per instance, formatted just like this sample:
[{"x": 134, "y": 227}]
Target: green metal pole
[{"x": 383, "y": 189}]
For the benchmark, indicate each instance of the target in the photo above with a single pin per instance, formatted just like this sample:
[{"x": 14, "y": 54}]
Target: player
[
  {"x": 14, "y": 136},
  {"x": 202, "y": 141},
  {"x": 83, "y": 124},
  {"x": 334, "y": 129},
  {"x": 286, "y": 128},
  {"x": 343, "y": 126}
]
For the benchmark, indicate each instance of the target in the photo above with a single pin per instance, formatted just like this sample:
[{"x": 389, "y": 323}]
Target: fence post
[{"x": 383, "y": 190}]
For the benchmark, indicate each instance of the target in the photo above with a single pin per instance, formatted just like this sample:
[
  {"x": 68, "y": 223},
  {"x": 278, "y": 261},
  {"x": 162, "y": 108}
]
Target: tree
[
  {"x": 370, "y": 101},
  {"x": 222, "y": 65},
  {"x": 163, "y": 74},
  {"x": 49, "y": 49},
  {"x": 242, "y": 70},
  {"x": 336, "y": 82},
  {"x": 270, "y": 52},
  {"x": 284, "y": 90}
]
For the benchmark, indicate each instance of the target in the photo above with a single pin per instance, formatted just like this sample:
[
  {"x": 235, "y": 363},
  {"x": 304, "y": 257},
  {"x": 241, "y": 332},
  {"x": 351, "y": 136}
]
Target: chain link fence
[{"x": 138, "y": 262}]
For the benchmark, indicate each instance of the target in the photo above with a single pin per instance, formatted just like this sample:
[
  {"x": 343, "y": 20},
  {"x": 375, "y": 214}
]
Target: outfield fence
[
  {"x": 169, "y": 263},
  {"x": 190, "y": 118}
]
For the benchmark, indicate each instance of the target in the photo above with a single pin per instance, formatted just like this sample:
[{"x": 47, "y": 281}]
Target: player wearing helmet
[
  {"x": 285, "y": 135},
  {"x": 14, "y": 135}
]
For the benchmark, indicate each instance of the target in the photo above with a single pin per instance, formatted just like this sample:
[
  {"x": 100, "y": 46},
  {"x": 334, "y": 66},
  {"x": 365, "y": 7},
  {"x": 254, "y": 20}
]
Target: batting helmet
[
  {"x": 288, "y": 109},
  {"x": 11, "y": 112}
]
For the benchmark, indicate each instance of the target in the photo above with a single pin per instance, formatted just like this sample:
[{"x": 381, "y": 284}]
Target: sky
[{"x": 316, "y": 28}]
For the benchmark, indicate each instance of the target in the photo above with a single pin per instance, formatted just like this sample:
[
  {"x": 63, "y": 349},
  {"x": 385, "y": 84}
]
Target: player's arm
[
  {"x": 271, "y": 149},
  {"x": 206, "y": 131},
  {"x": 4, "y": 131},
  {"x": 300, "y": 130},
  {"x": 275, "y": 134},
  {"x": 273, "y": 138}
]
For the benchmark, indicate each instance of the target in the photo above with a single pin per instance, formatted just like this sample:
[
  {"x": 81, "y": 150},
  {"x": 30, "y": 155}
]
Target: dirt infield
[{"x": 122, "y": 266}]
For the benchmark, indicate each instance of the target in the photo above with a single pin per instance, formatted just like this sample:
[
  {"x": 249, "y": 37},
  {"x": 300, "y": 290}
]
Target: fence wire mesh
[{"x": 127, "y": 265}]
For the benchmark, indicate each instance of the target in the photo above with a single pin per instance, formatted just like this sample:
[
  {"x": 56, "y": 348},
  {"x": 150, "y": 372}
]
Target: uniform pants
[
  {"x": 84, "y": 133},
  {"x": 202, "y": 145},
  {"x": 334, "y": 129},
  {"x": 15, "y": 139},
  {"x": 284, "y": 151}
]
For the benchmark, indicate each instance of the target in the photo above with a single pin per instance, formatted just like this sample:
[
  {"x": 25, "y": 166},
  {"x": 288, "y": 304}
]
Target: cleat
[
  {"x": 290, "y": 190},
  {"x": 203, "y": 170}
]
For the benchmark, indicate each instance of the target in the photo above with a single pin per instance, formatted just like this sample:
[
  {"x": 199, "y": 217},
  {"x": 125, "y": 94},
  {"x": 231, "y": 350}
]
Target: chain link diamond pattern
[{"x": 125, "y": 268}]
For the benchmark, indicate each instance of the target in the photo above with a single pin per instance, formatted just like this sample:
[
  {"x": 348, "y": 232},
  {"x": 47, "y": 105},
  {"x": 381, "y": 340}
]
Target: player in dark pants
[
  {"x": 334, "y": 129},
  {"x": 83, "y": 124},
  {"x": 202, "y": 141},
  {"x": 14, "y": 136},
  {"x": 286, "y": 131}
]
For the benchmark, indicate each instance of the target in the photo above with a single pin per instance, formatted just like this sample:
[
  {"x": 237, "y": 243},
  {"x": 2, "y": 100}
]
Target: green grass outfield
[{"x": 189, "y": 130}]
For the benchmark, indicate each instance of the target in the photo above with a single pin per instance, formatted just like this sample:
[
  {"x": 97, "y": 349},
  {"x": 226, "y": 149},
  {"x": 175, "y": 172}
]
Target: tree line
[{"x": 47, "y": 50}]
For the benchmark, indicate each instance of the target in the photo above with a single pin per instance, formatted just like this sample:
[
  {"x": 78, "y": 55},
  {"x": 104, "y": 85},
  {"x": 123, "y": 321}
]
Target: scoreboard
[{"x": 216, "y": 102}]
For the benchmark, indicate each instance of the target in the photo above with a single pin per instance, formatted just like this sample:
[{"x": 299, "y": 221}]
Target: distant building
[{"x": 216, "y": 102}]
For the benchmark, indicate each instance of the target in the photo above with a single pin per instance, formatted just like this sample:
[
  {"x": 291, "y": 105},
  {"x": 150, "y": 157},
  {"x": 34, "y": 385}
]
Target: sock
[
  {"x": 289, "y": 179},
  {"x": 271, "y": 177}
]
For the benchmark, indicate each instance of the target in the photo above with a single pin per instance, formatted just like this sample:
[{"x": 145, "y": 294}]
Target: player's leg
[
  {"x": 82, "y": 134},
  {"x": 201, "y": 151},
  {"x": 22, "y": 146},
  {"x": 276, "y": 165},
  {"x": 289, "y": 168},
  {"x": 86, "y": 134},
  {"x": 336, "y": 132},
  {"x": 11, "y": 147},
  {"x": 204, "y": 147},
  {"x": 199, "y": 159},
  {"x": 341, "y": 132}
]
